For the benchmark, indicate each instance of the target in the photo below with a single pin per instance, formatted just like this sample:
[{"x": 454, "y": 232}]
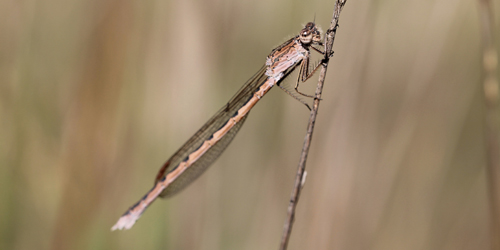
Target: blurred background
[{"x": 96, "y": 95}]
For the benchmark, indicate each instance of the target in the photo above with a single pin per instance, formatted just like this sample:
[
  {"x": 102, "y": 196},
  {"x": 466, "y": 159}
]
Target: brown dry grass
[{"x": 95, "y": 95}]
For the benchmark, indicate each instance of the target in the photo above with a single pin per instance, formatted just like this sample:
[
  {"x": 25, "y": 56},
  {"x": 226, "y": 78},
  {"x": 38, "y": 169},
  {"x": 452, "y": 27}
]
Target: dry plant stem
[
  {"x": 329, "y": 38},
  {"x": 492, "y": 119}
]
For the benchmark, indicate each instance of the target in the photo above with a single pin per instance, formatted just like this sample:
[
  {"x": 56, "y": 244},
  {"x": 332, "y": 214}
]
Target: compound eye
[
  {"x": 310, "y": 25},
  {"x": 317, "y": 36},
  {"x": 308, "y": 33},
  {"x": 306, "y": 38}
]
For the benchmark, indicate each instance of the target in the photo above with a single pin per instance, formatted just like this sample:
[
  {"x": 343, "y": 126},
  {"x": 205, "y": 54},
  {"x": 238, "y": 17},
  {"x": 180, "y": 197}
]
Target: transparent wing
[{"x": 204, "y": 133}]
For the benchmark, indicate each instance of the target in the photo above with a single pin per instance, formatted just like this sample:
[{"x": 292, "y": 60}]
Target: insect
[{"x": 206, "y": 145}]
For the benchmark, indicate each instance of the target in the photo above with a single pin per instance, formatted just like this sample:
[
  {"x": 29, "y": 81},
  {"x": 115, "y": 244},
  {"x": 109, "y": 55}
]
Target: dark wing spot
[{"x": 162, "y": 170}]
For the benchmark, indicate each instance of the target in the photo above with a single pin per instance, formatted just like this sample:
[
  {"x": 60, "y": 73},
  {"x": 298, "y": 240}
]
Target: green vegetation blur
[{"x": 96, "y": 95}]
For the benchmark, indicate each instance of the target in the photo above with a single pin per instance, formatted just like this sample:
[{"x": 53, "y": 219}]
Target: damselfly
[{"x": 193, "y": 158}]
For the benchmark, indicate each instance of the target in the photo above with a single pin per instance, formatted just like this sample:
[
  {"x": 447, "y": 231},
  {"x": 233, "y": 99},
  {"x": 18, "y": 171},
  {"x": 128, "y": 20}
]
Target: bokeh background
[{"x": 96, "y": 95}]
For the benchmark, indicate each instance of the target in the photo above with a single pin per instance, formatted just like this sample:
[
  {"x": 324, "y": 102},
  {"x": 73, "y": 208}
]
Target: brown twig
[
  {"x": 492, "y": 119},
  {"x": 329, "y": 38}
]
